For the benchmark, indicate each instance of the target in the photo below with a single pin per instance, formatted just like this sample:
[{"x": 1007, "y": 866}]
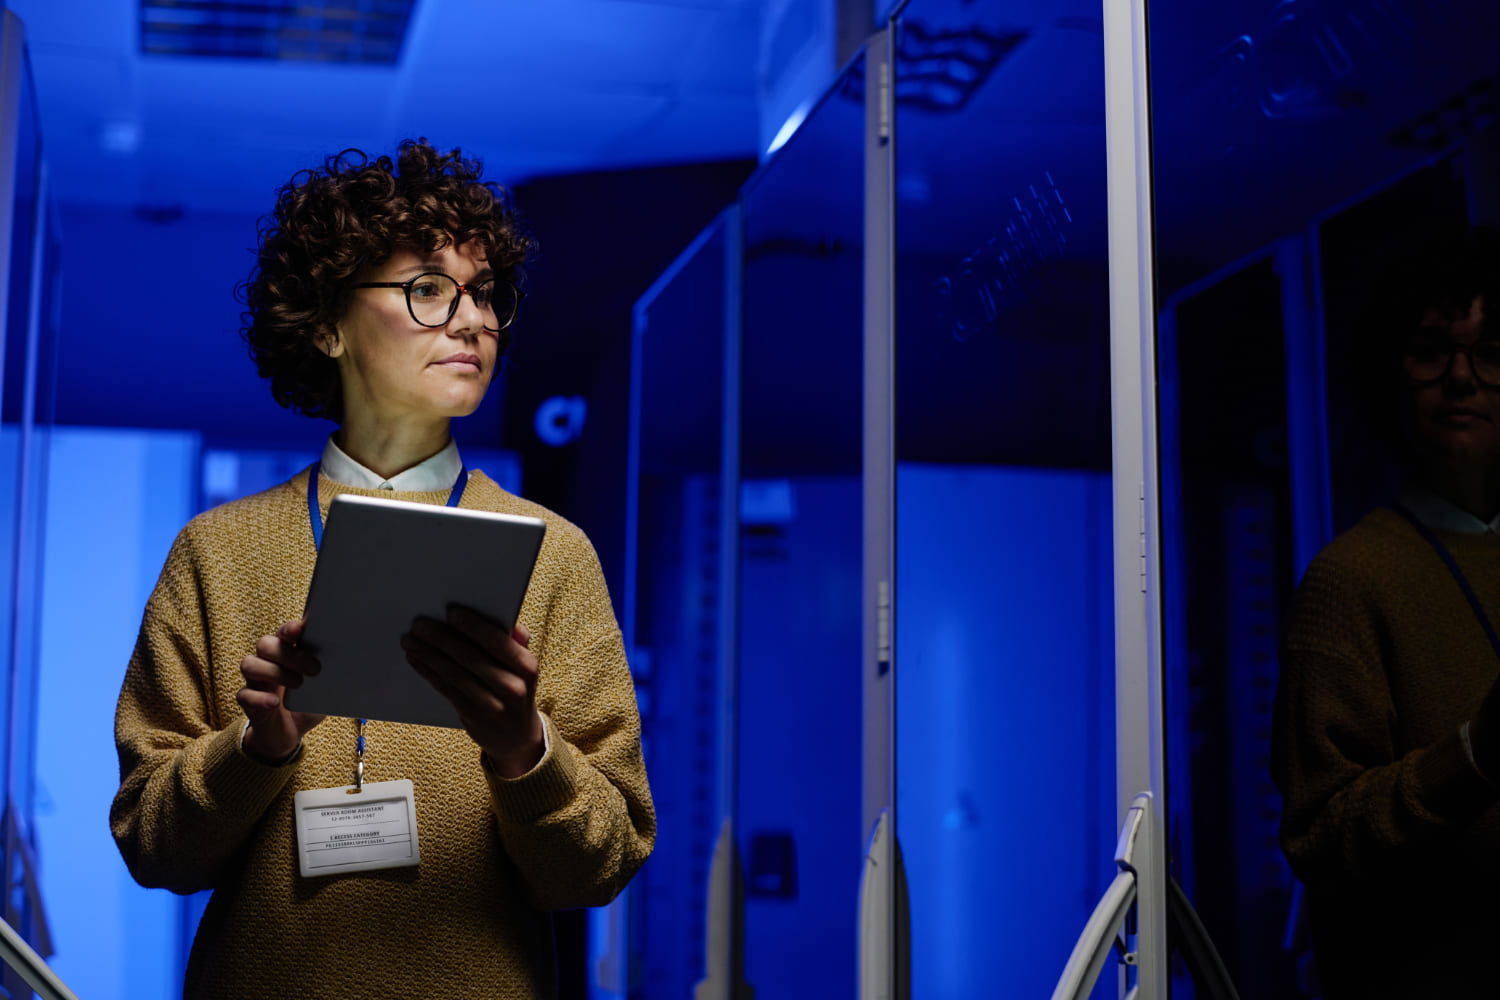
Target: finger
[
  {"x": 485, "y": 632},
  {"x": 493, "y": 678},
  {"x": 278, "y": 650},
  {"x": 522, "y": 635},
  {"x": 494, "y": 640},
  {"x": 262, "y": 674},
  {"x": 464, "y": 691},
  {"x": 495, "y": 671},
  {"x": 258, "y": 704},
  {"x": 292, "y": 631},
  {"x": 452, "y": 643}
]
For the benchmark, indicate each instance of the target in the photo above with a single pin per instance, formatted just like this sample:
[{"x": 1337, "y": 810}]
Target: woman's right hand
[{"x": 275, "y": 732}]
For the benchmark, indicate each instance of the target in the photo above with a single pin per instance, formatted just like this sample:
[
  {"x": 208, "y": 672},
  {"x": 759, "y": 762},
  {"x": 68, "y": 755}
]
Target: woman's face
[
  {"x": 393, "y": 368},
  {"x": 1456, "y": 419}
]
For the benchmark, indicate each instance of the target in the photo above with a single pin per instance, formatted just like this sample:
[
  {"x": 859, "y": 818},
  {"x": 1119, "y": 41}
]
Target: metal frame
[
  {"x": 1099, "y": 934},
  {"x": 724, "y": 951},
  {"x": 1297, "y": 262},
  {"x": 12, "y": 63},
  {"x": 18, "y": 955},
  {"x": 1137, "y": 563},
  {"x": 882, "y": 922}
]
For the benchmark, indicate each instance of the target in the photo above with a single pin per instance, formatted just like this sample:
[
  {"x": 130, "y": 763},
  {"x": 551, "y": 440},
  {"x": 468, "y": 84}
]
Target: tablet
[{"x": 384, "y": 563}]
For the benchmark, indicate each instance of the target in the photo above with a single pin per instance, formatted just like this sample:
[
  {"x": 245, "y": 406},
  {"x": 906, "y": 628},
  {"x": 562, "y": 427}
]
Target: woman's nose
[{"x": 467, "y": 316}]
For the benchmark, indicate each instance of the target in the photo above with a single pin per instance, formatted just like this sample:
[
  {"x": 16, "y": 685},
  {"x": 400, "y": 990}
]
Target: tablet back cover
[{"x": 383, "y": 564}]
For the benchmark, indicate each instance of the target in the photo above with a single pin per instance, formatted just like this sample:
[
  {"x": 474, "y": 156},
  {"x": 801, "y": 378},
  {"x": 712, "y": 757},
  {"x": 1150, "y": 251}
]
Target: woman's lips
[{"x": 461, "y": 362}]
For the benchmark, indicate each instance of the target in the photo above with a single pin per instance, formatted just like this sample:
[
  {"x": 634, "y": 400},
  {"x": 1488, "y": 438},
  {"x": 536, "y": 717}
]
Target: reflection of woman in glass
[
  {"x": 382, "y": 300},
  {"x": 1387, "y": 742}
]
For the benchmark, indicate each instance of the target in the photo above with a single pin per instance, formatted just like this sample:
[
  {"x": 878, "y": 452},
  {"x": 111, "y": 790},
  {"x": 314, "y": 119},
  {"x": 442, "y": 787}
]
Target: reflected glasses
[
  {"x": 1428, "y": 358},
  {"x": 432, "y": 299}
]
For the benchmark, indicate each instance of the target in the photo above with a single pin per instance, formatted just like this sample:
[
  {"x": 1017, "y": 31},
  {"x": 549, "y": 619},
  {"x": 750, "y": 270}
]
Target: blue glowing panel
[
  {"x": 800, "y": 765},
  {"x": 1005, "y": 721},
  {"x": 116, "y": 501}
]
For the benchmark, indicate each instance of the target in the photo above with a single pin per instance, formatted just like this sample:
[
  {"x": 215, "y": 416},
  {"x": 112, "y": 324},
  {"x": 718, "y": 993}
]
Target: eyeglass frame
[
  {"x": 406, "y": 287},
  {"x": 1454, "y": 349}
]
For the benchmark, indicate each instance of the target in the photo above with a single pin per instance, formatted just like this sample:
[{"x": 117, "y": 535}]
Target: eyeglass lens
[
  {"x": 433, "y": 299},
  {"x": 1428, "y": 359}
]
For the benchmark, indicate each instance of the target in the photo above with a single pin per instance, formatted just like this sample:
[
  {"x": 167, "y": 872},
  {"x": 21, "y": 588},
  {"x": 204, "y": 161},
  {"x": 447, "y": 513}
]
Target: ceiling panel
[{"x": 534, "y": 88}]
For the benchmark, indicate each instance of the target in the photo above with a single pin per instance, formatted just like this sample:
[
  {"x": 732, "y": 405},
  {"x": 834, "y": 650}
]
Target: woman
[
  {"x": 382, "y": 300},
  {"x": 1387, "y": 727}
]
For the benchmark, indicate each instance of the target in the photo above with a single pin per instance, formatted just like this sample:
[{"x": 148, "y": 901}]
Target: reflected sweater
[
  {"x": 195, "y": 812},
  {"x": 1394, "y": 832}
]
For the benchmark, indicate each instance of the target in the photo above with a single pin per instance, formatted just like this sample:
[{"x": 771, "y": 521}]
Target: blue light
[{"x": 789, "y": 127}]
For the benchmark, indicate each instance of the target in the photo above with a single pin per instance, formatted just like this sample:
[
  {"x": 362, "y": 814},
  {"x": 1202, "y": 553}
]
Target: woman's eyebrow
[{"x": 435, "y": 265}]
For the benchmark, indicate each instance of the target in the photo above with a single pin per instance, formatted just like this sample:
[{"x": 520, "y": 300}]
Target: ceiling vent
[{"x": 326, "y": 31}]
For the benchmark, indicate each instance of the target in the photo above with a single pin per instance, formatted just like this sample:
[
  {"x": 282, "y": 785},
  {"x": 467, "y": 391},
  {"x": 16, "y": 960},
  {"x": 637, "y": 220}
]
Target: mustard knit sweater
[
  {"x": 195, "y": 812},
  {"x": 1394, "y": 832}
]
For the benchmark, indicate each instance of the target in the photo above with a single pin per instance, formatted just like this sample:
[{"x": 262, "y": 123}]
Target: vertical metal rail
[
  {"x": 12, "y": 63},
  {"x": 1306, "y": 396},
  {"x": 724, "y": 960},
  {"x": 1138, "y": 659},
  {"x": 20, "y": 730},
  {"x": 883, "y": 969}
]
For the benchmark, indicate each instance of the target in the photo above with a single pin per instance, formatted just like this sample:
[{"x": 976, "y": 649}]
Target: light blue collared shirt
[
  {"x": 431, "y": 475},
  {"x": 1442, "y": 515}
]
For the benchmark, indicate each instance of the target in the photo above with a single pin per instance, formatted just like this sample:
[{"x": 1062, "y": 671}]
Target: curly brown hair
[{"x": 353, "y": 212}]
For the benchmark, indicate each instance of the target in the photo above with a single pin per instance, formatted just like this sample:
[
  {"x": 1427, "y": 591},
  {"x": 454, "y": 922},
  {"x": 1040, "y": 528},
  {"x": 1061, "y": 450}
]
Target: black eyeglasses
[
  {"x": 1428, "y": 358},
  {"x": 432, "y": 299}
]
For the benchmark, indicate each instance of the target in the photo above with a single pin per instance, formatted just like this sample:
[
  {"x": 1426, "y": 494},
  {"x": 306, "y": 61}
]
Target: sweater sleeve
[
  {"x": 580, "y": 824},
  {"x": 1357, "y": 805},
  {"x": 189, "y": 796}
]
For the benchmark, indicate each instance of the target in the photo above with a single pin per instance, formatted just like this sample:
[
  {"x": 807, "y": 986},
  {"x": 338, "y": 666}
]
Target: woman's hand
[
  {"x": 490, "y": 677},
  {"x": 275, "y": 732}
]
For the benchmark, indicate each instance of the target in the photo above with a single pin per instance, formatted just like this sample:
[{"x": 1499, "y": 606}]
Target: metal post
[
  {"x": 882, "y": 922},
  {"x": 1138, "y": 659}
]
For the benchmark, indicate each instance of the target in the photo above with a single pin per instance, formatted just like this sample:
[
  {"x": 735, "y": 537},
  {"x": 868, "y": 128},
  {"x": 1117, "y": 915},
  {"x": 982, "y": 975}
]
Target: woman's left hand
[{"x": 490, "y": 677}]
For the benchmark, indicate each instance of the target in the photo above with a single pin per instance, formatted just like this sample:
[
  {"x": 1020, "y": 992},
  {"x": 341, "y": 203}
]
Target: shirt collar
[
  {"x": 431, "y": 475},
  {"x": 1443, "y": 515}
]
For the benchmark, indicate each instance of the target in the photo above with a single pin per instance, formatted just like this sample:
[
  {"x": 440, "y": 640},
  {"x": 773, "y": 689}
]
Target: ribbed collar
[
  {"x": 1443, "y": 515},
  {"x": 439, "y": 472}
]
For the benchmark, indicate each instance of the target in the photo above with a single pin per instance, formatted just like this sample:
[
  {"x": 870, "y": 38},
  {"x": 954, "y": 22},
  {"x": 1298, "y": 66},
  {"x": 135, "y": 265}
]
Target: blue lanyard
[
  {"x": 315, "y": 518},
  {"x": 1458, "y": 576},
  {"x": 315, "y": 513}
]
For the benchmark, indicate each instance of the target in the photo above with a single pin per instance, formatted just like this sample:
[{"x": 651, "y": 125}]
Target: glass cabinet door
[
  {"x": 800, "y": 550},
  {"x": 1004, "y": 644},
  {"x": 1300, "y": 151},
  {"x": 674, "y": 614}
]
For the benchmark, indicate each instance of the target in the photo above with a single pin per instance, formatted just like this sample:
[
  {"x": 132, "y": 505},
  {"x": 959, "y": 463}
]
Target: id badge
[{"x": 341, "y": 830}]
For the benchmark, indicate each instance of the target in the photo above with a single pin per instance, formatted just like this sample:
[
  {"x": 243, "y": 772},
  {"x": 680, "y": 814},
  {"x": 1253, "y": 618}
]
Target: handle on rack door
[{"x": 1100, "y": 933}]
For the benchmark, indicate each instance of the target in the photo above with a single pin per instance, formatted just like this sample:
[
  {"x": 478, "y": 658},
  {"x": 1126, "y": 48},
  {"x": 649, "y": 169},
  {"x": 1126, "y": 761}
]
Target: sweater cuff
[
  {"x": 1447, "y": 784},
  {"x": 546, "y": 788},
  {"x": 235, "y": 779}
]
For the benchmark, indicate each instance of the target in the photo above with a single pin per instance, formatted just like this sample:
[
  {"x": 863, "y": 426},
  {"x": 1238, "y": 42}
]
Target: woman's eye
[{"x": 425, "y": 290}]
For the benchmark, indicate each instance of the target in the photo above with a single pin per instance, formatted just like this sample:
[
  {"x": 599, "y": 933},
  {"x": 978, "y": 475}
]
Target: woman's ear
[{"x": 329, "y": 342}]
